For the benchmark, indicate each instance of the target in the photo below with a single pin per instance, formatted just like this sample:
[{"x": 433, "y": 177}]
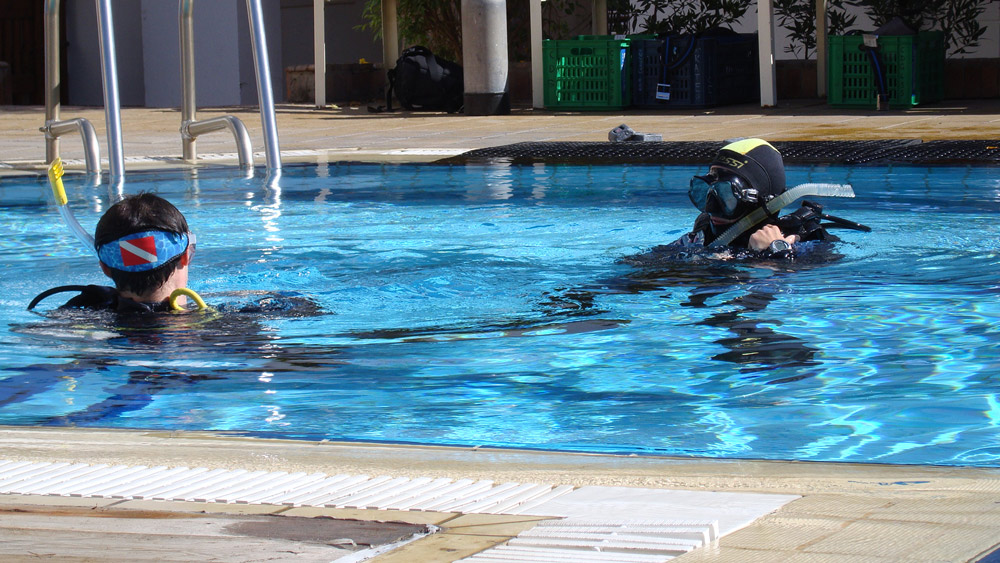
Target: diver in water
[
  {"x": 740, "y": 198},
  {"x": 143, "y": 243}
]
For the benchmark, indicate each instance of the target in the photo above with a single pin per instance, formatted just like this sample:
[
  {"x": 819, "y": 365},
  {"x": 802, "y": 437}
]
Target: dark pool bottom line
[{"x": 881, "y": 152}]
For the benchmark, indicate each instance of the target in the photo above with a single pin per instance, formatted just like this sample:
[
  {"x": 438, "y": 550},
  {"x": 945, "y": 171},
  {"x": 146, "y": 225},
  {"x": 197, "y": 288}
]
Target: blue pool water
[{"x": 489, "y": 305}]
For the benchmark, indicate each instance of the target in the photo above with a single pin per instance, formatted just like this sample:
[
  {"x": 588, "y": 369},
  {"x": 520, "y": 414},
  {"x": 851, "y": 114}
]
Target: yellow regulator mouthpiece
[{"x": 186, "y": 293}]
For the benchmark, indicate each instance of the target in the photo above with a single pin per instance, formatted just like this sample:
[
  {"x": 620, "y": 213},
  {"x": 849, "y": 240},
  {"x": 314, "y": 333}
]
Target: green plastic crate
[
  {"x": 590, "y": 73},
  {"x": 913, "y": 64}
]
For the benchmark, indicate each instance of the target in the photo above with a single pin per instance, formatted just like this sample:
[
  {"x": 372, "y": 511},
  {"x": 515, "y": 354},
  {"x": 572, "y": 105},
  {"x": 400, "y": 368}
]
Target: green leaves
[
  {"x": 799, "y": 18},
  {"x": 674, "y": 16}
]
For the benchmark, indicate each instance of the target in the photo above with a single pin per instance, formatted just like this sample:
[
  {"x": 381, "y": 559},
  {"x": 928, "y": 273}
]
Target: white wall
[
  {"x": 215, "y": 46},
  {"x": 82, "y": 53},
  {"x": 148, "y": 52},
  {"x": 344, "y": 44}
]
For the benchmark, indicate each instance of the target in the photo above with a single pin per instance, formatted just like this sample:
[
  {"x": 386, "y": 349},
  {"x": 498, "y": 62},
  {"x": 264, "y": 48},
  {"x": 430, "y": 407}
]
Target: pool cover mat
[{"x": 898, "y": 151}]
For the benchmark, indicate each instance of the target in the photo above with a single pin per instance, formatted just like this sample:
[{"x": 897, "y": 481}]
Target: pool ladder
[{"x": 190, "y": 127}]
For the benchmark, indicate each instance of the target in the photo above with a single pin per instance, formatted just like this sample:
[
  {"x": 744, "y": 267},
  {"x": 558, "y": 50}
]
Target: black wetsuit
[
  {"x": 105, "y": 298},
  {"x": 101, "y": 298},
  {"x": 804, "y": 222}
]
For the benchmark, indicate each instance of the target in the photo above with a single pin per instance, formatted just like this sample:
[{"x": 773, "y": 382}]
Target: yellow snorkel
[
  {"x": 186, "y": 293},
  {"x": 55, "y": 180}
]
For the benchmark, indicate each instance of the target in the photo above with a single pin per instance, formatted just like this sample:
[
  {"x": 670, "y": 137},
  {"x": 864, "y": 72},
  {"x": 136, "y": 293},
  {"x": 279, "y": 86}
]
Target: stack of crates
[
  {"x": 912, "y": 65},
  {"x": 588, "y": 73},
  {"x": 695, "y": 71}
]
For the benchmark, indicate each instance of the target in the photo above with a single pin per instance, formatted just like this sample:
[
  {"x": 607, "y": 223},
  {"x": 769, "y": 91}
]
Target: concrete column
[
  {"x": 484, "y": 57},
  {"x": 390, "y": 34},
  {"x": 821, "y": 48},
  {"x": 537, "y": 62},
  {"x": 319, "y": 51},
  {"x": 765, "y": 38},
  {"x": 599, "y": 20}
]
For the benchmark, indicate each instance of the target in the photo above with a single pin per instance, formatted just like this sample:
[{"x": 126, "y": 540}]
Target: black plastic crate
[{"x": 701, "y": 71}]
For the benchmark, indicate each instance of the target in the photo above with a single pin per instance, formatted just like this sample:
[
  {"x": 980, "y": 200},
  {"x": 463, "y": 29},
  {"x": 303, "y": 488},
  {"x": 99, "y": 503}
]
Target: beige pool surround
[{"x": 846, "y": 512}]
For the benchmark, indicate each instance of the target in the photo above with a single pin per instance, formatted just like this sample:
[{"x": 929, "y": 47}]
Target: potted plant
[{"x": 958, "y": 19}]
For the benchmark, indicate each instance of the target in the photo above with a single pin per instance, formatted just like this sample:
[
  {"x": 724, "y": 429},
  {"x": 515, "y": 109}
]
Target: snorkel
[
  {"x": 59, "y": 191},
  {"x": 776, "y": 204}
]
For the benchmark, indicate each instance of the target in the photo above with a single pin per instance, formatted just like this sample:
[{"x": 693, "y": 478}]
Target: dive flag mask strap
[
  {"x": 142, "y": 252},
  {"x": 772, "y": 207}
]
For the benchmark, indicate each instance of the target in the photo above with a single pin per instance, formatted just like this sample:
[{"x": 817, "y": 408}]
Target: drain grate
[
  {"x": 278, "y": 488},
  {"x": 595, "y": 523},
  {"x": 571, "y": 539},
  {"x": 893, "y": 151}
]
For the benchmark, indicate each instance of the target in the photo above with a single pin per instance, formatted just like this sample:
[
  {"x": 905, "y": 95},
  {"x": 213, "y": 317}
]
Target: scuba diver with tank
[
  {"x": 740, "y": 198},
  {"x": 739, "y": 229}
]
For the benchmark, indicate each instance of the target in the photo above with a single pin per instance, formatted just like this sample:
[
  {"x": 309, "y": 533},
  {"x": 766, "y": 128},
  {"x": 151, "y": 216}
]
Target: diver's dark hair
[{"x": 135, "y": 214}]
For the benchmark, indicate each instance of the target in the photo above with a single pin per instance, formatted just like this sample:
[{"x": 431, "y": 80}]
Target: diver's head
[
  {"x": 141, "y": 241},
  {"x": 743, "y": 176}
]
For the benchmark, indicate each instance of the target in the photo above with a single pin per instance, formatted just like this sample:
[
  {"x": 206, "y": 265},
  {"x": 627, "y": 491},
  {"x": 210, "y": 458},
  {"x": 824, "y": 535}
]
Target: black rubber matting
[{"x": 899, "y": 151}]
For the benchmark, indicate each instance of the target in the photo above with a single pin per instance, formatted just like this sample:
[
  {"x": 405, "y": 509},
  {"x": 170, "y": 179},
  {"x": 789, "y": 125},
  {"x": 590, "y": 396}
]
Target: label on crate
[
  {"x": 663, "y": 92},
  {"x": 871, "y": 41}
]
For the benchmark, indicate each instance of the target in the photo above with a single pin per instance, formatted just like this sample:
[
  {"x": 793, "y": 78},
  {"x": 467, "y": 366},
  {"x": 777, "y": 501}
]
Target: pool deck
[
  {"x": 151, "y": 137},
  {"x": 846, "y": 513}
]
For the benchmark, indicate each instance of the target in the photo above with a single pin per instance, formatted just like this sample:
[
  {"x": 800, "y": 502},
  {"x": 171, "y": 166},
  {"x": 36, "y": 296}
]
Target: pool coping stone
[{"x": 847, "y": 512}]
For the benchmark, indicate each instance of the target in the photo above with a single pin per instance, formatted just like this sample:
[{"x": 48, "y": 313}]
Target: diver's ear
[
  {"x": 186, "y": 256},
  {"x": 105, "y": 269}
]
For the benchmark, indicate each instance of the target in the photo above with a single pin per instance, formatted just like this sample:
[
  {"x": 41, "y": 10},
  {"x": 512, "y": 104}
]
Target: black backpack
[{"x": 422, "y": 81}]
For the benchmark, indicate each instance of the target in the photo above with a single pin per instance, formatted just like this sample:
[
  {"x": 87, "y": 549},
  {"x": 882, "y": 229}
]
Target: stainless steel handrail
[
  {"x": 190, "y": 127},
  {"x": 191, "y": 130},
  {"x": 54, "y": 127},
  {"x": 92, "y": 149},
  {"x": 112, "y": 102},
  {"x": 265, "y": 94}
]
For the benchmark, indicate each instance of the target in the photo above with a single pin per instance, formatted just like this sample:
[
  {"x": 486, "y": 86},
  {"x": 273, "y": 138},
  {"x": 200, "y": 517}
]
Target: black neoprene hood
[{"x": 756, "y": 161}]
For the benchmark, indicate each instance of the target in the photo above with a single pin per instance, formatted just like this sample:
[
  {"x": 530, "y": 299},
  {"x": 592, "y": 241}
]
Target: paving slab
[
  {"x": 116, "y": 534},
  {"x": 930, "y": 513}
]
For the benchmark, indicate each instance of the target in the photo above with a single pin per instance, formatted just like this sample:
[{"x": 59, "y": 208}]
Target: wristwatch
[{"x": 779, "y": 248}]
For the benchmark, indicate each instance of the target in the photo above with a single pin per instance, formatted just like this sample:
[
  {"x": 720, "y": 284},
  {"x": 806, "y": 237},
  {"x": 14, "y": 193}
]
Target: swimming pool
[{"x": 489, "y": 305}]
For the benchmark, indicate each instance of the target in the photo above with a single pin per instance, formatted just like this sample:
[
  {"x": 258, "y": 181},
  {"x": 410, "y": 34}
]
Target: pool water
[{"x": 482, "y": 305}]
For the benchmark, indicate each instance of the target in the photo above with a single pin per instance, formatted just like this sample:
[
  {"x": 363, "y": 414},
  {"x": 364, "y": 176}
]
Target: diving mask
[{"x": 720, "y": 192}]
